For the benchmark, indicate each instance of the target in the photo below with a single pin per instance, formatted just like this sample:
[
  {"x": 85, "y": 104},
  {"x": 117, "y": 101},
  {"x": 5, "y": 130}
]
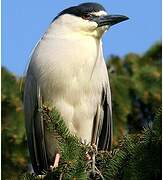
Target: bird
[{"x": 67, "y": 71}]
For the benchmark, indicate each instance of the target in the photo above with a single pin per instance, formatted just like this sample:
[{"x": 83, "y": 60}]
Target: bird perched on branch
[{"x": 67, "y": 71}]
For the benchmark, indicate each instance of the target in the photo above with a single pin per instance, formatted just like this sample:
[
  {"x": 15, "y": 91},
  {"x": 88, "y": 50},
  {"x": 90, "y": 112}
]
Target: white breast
[{"x": 70, "y": 72}]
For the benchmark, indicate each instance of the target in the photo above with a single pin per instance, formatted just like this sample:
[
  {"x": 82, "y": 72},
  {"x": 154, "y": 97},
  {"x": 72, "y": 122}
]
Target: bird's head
[{"x": 88, "y": 19}]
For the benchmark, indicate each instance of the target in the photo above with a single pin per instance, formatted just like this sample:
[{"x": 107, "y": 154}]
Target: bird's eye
[{"x": 86, "y": 16}]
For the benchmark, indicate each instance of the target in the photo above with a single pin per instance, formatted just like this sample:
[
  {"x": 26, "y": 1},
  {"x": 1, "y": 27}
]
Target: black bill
[{"x": 110, "y": 20}]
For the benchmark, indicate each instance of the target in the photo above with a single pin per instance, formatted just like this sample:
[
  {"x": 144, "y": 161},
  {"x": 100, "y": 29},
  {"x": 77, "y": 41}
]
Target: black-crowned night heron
[{"x": 67, "y": 71}]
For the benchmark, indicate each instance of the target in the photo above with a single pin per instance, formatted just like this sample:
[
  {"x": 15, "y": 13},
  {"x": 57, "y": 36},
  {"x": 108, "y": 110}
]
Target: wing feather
[
  {"x": 104, "y": 138},
  {"x": 34, "y": 125}
]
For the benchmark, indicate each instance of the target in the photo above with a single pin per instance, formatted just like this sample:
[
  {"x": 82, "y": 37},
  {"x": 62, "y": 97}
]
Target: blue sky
[{"x": 24, "y": 22}]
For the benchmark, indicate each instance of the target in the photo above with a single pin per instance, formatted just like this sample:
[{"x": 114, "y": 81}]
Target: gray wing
[
  {"x": 102, "y": 129},
  {"x": 34, "y": 125}
]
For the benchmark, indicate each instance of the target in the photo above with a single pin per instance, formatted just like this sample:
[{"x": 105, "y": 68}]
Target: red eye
[{"x": 86, "y": 16}]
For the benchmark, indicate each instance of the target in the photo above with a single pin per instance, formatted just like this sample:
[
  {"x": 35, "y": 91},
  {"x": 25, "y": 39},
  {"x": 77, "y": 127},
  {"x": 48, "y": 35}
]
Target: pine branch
[
  {"x": 136, "y": 157},
  {"x": 73, "y": 152}
]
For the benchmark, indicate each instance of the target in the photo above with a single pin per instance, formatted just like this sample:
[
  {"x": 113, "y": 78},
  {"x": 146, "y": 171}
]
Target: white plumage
[
  {"x": 71, "y": 73},
  {"x": 67, "y": 71}
]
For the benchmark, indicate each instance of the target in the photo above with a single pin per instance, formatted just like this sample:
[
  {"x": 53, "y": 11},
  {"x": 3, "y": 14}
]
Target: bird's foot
[
  {"x": 40, "y": 176},
  {"x": 94, "y": 147},
  {"x": 91, "y": 157},
  {"x": 88, "y": 156},
  {"x": 56, "y": 162},
  {"x": 94, "y": 151}
]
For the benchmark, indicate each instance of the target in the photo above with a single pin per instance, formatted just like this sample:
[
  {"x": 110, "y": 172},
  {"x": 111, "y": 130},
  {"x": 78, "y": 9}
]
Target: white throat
[{"x": 72, "y": 26}]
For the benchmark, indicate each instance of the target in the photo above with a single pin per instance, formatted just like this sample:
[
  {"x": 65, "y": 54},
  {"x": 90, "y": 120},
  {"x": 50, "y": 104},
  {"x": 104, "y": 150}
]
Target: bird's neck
[{"x": 63, "y": 31}]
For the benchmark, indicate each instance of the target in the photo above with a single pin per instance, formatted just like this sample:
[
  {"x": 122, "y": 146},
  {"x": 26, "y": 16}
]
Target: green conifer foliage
[
  {"x": 14, "y": 149},
  {"x": 137, "y": 156}
]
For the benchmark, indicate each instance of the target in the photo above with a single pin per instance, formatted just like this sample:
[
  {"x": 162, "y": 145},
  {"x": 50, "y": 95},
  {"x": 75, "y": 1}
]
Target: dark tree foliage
[
  {"x": 136, "y": 157},
  {"x": 14, "y": 148},
  {"x": 136, "y": 97},
  {"x": 136, "y": 89}
]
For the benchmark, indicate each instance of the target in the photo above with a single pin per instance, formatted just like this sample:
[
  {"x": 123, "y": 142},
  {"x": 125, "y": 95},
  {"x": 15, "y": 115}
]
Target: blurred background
[{"x": 133, "y": 53}]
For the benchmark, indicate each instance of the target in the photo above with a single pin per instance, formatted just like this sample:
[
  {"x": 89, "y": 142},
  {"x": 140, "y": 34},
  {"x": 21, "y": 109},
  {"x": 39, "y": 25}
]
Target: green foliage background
[{"x": 136, "y": 97}]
